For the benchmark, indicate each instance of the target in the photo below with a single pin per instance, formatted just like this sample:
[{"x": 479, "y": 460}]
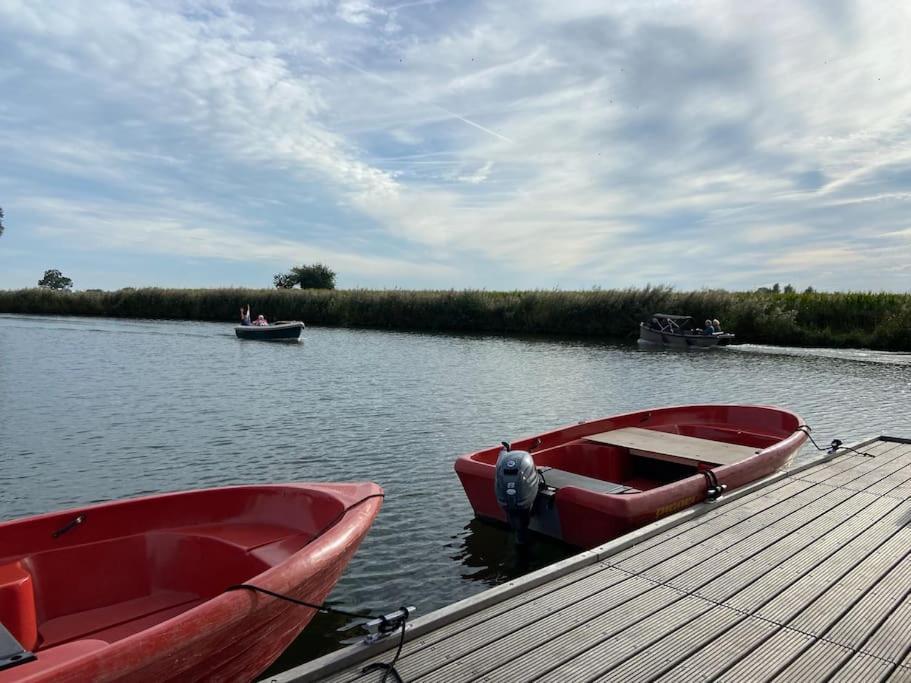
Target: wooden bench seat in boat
[
  {"x": 560, "y": 478},
  {"x": 112, "y": 622},
  {"x": 687, "y": 450}
]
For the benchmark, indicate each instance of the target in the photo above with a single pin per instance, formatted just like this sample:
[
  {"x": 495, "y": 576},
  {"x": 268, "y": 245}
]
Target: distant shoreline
[{"x": 830, "y": 319}]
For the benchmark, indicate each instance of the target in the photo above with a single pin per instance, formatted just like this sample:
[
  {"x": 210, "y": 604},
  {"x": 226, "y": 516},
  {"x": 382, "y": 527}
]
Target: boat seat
[
  {"x": 687, "y": 450},
  {"x": 17, "y": 604},
  {"x": 127, "y": 616},
  {"x": 561, "y": 478},
  {"x": 245, "y": 536}
]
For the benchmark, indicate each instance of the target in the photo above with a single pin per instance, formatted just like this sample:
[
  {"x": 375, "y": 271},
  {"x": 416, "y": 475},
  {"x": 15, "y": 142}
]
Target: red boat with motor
[
  {"x": 591, "y": 482},
  {"x": 135, "y": 590}
]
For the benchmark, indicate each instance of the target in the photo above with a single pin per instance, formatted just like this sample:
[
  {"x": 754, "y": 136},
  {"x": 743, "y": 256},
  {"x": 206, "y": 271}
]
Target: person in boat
[
  {"x": 709, "y": 329},
  {"x": 260, "y": 321},
  {"x": 245, "y": 315},
  {"x": 717, "y": 326}
]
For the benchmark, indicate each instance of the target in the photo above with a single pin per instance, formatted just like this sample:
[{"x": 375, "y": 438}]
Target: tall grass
[{"x": 858, "y": 319}]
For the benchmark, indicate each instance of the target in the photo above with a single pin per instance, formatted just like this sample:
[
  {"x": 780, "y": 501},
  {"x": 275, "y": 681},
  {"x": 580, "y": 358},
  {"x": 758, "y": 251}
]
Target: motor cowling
[{"x": 516, "y": 486}]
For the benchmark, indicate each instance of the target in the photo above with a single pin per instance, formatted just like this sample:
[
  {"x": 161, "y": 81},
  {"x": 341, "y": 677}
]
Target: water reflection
[
  {"x": 489, "y": 554},
  {"x": 325, "y": 633}
]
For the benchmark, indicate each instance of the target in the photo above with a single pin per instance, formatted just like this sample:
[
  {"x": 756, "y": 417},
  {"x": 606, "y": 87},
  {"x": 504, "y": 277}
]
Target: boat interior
[
  {"x": 104, "y": 579},
  {"x": 630, "y": 459}
]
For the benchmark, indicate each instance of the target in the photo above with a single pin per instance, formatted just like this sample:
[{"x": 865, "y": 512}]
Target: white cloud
[
  {"x": 478, "y": 176},
  {"x": 196, "y": 231},
  {"x": 614, "y": 140}
]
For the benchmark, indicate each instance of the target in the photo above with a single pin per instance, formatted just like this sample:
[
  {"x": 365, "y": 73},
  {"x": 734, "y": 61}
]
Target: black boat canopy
[{"x": 665, "y": 316}]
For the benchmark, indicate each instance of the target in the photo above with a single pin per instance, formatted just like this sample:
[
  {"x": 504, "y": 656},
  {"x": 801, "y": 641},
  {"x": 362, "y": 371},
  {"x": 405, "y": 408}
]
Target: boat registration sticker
[{"x": 676, "y": 506}]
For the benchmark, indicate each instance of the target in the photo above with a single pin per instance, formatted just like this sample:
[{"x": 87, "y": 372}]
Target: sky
[{"x": 438, "y": 144}]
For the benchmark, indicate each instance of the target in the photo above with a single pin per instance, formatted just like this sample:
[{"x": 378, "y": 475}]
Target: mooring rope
[
  {"x": 388, "y": 623},
  {"x": 833, "y": 447}
]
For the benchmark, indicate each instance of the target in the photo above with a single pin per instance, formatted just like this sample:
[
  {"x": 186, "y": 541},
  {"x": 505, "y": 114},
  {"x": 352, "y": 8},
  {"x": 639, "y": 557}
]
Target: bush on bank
[{"x": 857, "y": 319}]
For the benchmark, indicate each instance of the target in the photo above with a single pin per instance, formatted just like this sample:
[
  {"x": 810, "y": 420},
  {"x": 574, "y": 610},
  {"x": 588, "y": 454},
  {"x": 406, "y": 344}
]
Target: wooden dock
[{"x": 804, "y": 576}]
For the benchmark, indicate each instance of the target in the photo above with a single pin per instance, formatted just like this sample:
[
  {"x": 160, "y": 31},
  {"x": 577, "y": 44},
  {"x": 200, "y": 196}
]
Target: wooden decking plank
[
  {"x": 564, "y": 590},
  {"x": 854, "y": 467},
  {"x": 823, "y": 612},
  {"x": 674, "y": 447},
  {"x": 712, "y": 658},
  {"x": 697, "y": 575},
  {"x": 883, "y": 452},
  {"x": 814, "y": 664},
  {"x": 666, "y": 653},
  {"x": 613, "y": 637},
  {"x": 878, "y": 481},
  {"x": 787, "y": 562},
  {"x": 531, "y": 643},
  {"x": 843, "y": 462},
  {"x": 856, "y": 626},
  {"x": 680, "y": 537},
  {"x": 815, "y": 563},
  {"x": 463, "y": 636},
  {"x": 891, "y": 639},
  {"x": 588, "y": 597},
  {"x": 762, "y": 662},
  {"x": 862, "y": 668},
  {"x": 887, "y": 485},
  {"x": 607, "y": 655},
  {"x": 705, "y": 544},
  {"x": 900, "y": 674},
  {"x": 815, "y": 594},
  {"x": 902, "y": 492}
]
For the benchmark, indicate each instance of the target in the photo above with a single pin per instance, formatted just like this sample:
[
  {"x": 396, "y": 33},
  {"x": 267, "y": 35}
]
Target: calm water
[{"x": 95, "y": 409}]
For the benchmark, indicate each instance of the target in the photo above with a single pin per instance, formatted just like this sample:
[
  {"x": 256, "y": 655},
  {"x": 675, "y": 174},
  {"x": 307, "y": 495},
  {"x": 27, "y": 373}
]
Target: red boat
[
  {"x": 135, "y": 590},
  {"x": 591, "y": 482}
]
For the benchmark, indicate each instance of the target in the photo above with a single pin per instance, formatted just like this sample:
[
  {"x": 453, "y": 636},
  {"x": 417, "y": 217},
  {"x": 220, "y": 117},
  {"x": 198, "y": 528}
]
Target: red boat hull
[
  {"x": 136, "y": 591},
  {"x": 588, "y": 518}
]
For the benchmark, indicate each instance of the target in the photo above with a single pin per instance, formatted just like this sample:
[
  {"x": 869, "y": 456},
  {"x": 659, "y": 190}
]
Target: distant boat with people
[
  {"x": 280, "y": 331},
  {"x": 680, "y": 331},
  {"x": 261, "y": 330}
]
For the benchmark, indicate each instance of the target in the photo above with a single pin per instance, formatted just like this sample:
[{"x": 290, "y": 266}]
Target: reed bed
[{"x": 851, "y": 319}]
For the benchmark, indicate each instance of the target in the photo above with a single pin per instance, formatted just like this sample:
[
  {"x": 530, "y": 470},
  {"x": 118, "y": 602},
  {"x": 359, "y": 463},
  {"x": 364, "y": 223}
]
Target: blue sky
[{"x": 457, "y": 144}]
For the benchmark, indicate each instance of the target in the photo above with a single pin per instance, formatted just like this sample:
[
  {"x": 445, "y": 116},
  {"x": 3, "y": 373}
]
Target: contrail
[{"x": 437, "y": 106}]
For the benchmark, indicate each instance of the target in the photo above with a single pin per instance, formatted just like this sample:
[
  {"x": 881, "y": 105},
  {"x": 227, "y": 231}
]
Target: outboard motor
[{"x": 516, "y": 486}]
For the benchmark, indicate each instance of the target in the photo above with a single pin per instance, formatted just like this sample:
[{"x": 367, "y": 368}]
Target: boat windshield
[{"x": 673, "y": 323}]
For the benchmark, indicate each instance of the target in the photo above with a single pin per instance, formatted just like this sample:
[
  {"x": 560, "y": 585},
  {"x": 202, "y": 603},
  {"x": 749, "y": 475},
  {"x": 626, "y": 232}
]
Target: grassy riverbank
[{"x": 852, "y": 319}]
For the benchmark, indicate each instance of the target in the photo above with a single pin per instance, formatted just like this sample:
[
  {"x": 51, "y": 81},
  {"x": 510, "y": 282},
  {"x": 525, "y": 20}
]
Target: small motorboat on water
[
  {"x": 591, "y": 482},
  {"x": 135, "y": 590},
  {"x": 280, "y": 331},
  {"x": 679, "y": 331}
]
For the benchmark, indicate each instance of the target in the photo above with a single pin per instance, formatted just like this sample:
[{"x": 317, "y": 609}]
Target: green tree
[
  {"x": 316, "y": 276},
  {"x": 284, "y": 280},
  {"x": 54, "y": 279},
  {"x": 789, "y": 288}
]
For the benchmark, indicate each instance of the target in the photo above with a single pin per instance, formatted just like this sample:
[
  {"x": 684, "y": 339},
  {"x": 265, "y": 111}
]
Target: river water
[{"x": 96, "y": 409}]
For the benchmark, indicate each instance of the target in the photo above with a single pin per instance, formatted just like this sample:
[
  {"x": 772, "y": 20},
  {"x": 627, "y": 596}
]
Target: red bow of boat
[{"x": 135, "y": 589}]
